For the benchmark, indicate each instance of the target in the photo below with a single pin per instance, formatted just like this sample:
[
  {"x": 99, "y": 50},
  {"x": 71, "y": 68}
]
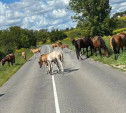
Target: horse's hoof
[
  {"x": 62, "y": 73},
  {"x": 58, "y": 71}
]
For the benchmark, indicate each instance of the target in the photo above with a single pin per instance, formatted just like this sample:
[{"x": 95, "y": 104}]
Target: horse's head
[
  {"x": 2, "y": 62},
  {"x": 106, "y": 52},
  {"x": 73, "y": 41}
]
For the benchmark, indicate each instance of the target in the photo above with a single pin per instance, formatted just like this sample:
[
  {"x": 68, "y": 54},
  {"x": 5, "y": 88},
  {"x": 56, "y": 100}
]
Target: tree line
[{"x": 15, "y": 38}]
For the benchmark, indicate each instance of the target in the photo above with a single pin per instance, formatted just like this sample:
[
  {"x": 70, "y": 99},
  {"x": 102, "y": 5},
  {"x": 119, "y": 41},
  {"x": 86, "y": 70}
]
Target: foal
[{"x": 47, "y": 59}]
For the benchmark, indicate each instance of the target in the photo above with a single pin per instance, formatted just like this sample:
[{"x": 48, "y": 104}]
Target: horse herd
[{"x": 117, "y": 42}]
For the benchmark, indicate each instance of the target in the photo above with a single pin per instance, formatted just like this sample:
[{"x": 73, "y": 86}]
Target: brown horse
[
  {"x": 99, "y": 44},
  {"x": 24, "y": 56},
  {"x": 9, "y": 58},
  {"x": 117, "y": 42},
  {"x": 56, "y": 44},
  {"x": 35, "y": 51},
  {"x": 82, "y": 43},
  {"x": 64, "y": 46}
]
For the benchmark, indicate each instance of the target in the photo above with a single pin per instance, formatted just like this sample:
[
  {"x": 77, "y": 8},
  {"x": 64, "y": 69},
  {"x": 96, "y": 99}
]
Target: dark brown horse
[
  {"x": 99, "y": 44},
  {"x": 117, "y": 42},
  {"x": 9, "y": 58},
  {"x": 82, "y": 43}
]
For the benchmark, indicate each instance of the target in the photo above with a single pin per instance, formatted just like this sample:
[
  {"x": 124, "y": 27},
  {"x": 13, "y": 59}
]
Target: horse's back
[
  {"x": 54, "y": 54},
  {"x": 96, "y": 41},
  {"x": 117, "y": 40}
]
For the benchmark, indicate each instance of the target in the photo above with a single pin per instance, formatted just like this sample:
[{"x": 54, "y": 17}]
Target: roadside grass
[
  {"x": 119, "y": 64},
  {"x": 6, "y": 72}
]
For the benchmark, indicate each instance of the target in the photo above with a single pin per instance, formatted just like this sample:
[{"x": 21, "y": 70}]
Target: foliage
[
  {"x": 74, "y": 33},
  {"x": 119, "y": 30},
  {"x": 93, "y": 16},
  {"x": 119, "y": 14},
  {"x": 56, "y": 35},
  {"x": 121, "y": 22}
]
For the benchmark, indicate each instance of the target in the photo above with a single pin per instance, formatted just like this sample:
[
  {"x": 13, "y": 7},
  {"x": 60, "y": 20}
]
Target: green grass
[
  {"x": 6, "y": 72},
  {"x": 120, "y": 63}
]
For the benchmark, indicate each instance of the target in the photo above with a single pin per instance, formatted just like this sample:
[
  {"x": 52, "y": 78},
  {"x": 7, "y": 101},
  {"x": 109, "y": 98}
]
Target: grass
[
  {"x": 6, "y": 72},
  {"x": 120, "y": 63}
]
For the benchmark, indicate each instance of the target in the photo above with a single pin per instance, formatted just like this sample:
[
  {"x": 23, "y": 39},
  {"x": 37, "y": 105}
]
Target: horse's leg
[
  {"x": 60, "y": 65},
  {"x": 78, "y": 53},
  {"x": 100, "y": 52},
  {"x": 12, "y": 63},
  {"x": 87, "y": 51},
  {"x": 83, "y": 51},
  {"x": 57, "y": 65},
  {"x": 95, "y": 51},
  {"x": 8, "y": 63},
  {"x": 91, "y": 50},
  {"x": 49, "y": 67},
  {"x": 122, "y": 49},
  {"x": 118, "y": 50}
]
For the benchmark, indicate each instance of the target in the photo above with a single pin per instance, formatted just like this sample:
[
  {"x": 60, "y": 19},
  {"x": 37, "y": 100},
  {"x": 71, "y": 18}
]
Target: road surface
[{"x": 86, "y": 87}]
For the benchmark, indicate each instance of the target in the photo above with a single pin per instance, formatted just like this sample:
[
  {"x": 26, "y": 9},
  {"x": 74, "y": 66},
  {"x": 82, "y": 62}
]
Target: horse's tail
[
  {"x": 77, "y": 53},
  {"x": 114, "y": 45}
]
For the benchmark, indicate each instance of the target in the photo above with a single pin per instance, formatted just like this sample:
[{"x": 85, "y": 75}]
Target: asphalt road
[{"x": 86, "y": 87}]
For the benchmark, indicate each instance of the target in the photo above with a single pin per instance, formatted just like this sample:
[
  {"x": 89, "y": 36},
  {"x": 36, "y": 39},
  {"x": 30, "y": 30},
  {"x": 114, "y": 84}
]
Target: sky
[{"x": 42, "y": 14}]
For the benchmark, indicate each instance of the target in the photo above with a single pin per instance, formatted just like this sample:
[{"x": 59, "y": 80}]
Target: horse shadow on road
[
  {"x": 69, "y": 70},
  {"x": 66, "y": 71},
  {"x": 1, "y": 95}
]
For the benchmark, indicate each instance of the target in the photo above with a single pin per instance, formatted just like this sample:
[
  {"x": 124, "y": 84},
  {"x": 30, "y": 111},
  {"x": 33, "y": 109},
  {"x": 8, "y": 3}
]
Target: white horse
[{"x": 47, "y": 59}]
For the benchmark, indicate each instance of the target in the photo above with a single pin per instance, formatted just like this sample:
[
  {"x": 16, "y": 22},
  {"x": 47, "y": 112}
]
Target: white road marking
[
  {"x": 55, "y": 92},
  {"x": 55, "y": 95}
]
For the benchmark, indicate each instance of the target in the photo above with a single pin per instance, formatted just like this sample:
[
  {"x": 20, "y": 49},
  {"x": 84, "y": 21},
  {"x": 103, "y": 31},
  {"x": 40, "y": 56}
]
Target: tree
[
  {"x": 93, "y": 16},
  {"x": 56, "y": 34}
]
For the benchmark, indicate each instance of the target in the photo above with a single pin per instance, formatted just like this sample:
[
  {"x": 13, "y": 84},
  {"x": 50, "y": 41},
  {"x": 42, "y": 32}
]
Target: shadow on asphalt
[
  {"x": 66, "y": 71},
  {"x": 69, "y": 70},
  {"x": 1, "y": 95}
]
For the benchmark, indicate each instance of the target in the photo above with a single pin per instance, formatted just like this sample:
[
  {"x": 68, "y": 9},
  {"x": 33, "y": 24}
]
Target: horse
[
  {"x": 117, "y": 42},
  {"x": 24, "y": 56},
  {"x": 47, "y": 59},
  {"x": 9, "y": 58},
  {"x": 64, "y": 46},
  {"x": 35, "y": 51},
  {"x": 56, "y": 44},
  {"x": 99, "y": 44},
  {"x": 82, "y": 43}
]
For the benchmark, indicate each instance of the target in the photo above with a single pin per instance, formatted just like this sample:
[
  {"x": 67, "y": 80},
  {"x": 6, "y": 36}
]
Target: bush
[{"x": 119, "y": 31}]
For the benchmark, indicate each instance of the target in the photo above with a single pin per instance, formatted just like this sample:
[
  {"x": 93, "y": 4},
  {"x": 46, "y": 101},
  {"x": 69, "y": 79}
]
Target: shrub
[{"x": 119, "y": 31}]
